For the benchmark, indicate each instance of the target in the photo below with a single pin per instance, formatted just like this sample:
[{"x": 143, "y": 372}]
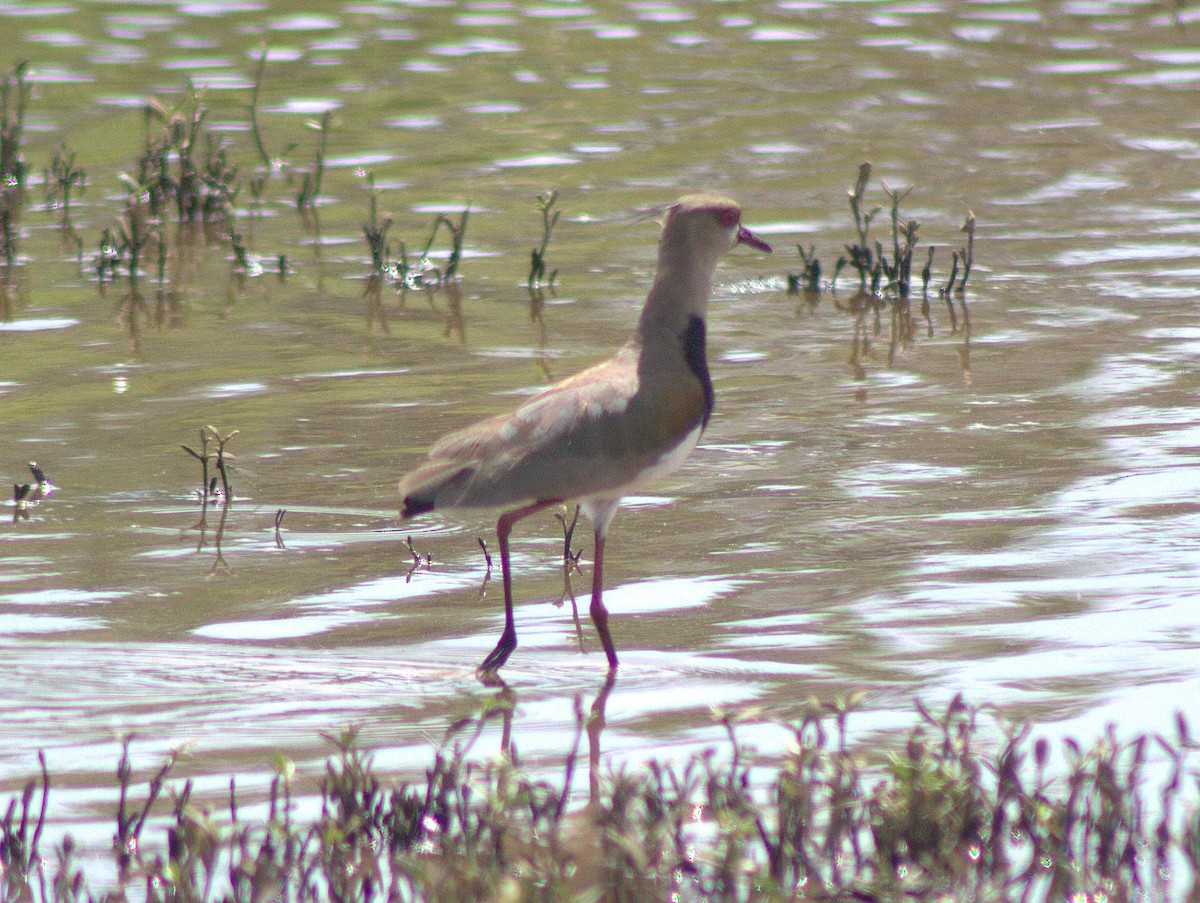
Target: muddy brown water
[{"x": 1011, "y": 514}]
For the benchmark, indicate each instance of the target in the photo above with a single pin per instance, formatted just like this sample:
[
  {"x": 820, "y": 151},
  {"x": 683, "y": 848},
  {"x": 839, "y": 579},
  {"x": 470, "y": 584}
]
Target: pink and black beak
[{"x": 746, "y": 237}]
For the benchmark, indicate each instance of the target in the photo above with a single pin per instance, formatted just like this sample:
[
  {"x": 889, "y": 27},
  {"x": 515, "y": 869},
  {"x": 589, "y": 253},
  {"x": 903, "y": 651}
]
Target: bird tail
[
  {"x": 414, "y": 505},
  {"x": 432, "y": 486}
]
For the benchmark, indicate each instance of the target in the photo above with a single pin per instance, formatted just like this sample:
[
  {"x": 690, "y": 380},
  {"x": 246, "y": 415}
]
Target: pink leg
[
  {"x": 508, "y": 639},
  {"x": 598, "y": 611}
]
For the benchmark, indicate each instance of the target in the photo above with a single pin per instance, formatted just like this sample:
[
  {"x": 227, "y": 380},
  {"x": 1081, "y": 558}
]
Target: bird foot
[{"x": 497, "y": 657}]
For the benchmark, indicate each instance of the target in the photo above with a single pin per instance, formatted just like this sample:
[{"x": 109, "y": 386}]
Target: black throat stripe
[{"x": 695, "y": 353}]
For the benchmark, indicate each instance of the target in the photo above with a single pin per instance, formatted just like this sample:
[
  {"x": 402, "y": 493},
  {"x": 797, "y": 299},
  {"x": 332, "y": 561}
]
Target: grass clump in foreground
[{"x": 940, "y": 820}]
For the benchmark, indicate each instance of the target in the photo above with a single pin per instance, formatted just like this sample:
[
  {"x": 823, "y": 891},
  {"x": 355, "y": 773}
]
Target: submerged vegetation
[
  {"x": 537, "y": 257},
  {"x": 950, "y": 816},
  {"x": 885, "y": 284},
  {"x": 184, "y": 188},
  {"x": 29, "y": 495}
]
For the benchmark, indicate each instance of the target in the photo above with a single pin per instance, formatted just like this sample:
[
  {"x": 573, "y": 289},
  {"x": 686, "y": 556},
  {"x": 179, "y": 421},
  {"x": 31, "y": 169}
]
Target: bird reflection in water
[{"x": 503, "y": 705}]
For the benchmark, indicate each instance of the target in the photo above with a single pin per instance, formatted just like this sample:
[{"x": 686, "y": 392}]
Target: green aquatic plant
[
  {"x": 861, "y": 254},
  {"x": 310, "y": 184},
  {"x": 61, "y": 179},
  {"x": 420, "y": 560},
  {"x": 809, "y": 279},
  {"x": 108, "y": 256},
  {"x": 946, "y": 291},
  {"x": 966, "y": 254},
  {"x": 881, "y": 278},
  {"x": 20, "y": 836},
  {"x": 904, "y": 240},
  {"x": 184, "y": 165},
  {"x": 431, "y": 274},
  {"x": 136, "y": 226},
  {"x": 948, "y": 815},
  {"x": 968, "y": 250},
  {"x": 218, "y": 457},
  {"x": 537, "y": 257},
  {"x": 458, "y": 233},
  {"x": 269, "y": 164},
  {"x": 425, "y": 274},
  {"x": 375, "y": 230},
  {"x": 14, "y": 103},
  {"x": 885, "y": 278},
  {"x": 30, "y": 495},
  {"x": 14, "y": 100}
]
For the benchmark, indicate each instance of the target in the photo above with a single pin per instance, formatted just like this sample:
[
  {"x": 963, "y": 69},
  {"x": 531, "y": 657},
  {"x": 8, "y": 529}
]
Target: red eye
[{"x": 728, "y": 217}]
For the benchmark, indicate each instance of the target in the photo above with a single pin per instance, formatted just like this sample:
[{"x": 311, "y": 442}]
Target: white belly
[
  {"x": 668, "y": 463},
  {"x": 600, "y": 509}
]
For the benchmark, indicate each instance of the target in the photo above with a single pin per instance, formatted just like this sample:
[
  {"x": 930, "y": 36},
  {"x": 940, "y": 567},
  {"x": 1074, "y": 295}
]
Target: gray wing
[{"x": 589, "y": 435}]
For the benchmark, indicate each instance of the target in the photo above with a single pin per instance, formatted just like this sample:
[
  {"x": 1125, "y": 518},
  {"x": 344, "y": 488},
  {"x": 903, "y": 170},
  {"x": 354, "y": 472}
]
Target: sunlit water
[{"x": 1011, "y": 513}]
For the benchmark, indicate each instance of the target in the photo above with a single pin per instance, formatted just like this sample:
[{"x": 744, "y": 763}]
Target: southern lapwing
[{"x": 605, "y": 432}]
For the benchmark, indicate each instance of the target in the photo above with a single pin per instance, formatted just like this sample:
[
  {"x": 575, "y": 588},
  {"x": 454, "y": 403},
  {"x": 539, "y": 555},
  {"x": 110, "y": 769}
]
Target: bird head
[{"x": 708, "y": 223}]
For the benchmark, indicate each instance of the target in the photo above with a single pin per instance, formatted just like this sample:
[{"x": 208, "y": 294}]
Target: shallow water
[{"x": 1010, "y": 513}]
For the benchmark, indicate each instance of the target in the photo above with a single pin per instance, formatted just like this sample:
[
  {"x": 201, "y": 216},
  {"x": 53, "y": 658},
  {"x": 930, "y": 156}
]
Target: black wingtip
[{"x": 414, "y": 506}]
